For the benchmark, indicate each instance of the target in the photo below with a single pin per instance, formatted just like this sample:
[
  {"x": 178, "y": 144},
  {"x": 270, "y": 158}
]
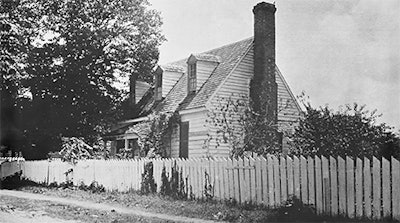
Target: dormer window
[
  {"x": 199, "y": 69},
  {"x": 192, "y": 77}
]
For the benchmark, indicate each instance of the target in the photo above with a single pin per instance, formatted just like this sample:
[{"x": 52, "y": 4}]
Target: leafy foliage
[
  {"x": 175, "y": 185},
  {"x": 351, "y": 131},
  {"x": 74, "y": 149},
  {"x": 16, "y": 29},
  {"x": 148, "y": 184},
  {"x": 74, "y": 53},
  {"x": 154, "y": 134}
]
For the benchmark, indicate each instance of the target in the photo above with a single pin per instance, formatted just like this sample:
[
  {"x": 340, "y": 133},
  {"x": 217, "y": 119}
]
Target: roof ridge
[
  {"x": 208, "y": 51},
  {"x": 229, "y": 44}
]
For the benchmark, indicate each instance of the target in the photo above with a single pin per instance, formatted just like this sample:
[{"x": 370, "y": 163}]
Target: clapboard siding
[
  {"x": 237, "y": 86},
  {"x": 203, "y": 71},
  {"x": 169, "y": 80},
  {"x": 288, "y": 110},
  {"x": 197, "y": 133}
]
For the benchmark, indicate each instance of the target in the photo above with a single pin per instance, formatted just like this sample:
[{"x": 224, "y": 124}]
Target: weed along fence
[{"x": 335, "y": 186}]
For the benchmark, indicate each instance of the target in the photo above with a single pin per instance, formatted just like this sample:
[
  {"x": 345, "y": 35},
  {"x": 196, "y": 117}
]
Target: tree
[
  {"x": 16, "y": 30},
  {"x": 73, "y": 66},
  {"x": 351, "y": 131}
]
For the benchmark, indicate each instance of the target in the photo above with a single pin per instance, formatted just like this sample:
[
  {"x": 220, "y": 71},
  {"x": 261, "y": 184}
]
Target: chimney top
[{"x": 264, "y": 6}]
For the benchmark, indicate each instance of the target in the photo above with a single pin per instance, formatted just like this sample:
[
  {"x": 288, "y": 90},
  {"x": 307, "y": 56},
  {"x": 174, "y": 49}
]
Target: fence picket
[
  {"x": 303, "y": 180},
  {"x": 367, "y": 188},
  {"x": 264, "y": 188},
  {"x": 376, "y": 188},
  {"x": 283, "y": 179},
  {"x": 221, "y": 173},
  {"x": 342, "y": 185},
  {"x": 258, "y": 178},
  {"x": 235, "y": 173},
  {"x": 350, "y": 186},
  {"x": 359, "y": 188},
  {"x": 230, "y": 188},
  {"x": 296, "y": 176},
  {"x": 386, "y": 187},
  {"x": 253, "y": 186},
  {"x": 326, "y": 186},
  {"x": 215, "y": 165},
  {"x": 277, "y": 185},
  {"x": 289, "y": 167},
  {"x": 311, "y": 189},
  {"x": 226, "y": 186},
  {"x": 195, "y": 179},
  {"x": 191, "y": 180},
  {"x": 242, "y": 184},
  {"x": 271, "y": 197},
  {"x": 246, "y": 180},
  {"x": 396, "y": 188},
  {"x": 213, "y": 173},
  {"x": 318, "y": 185},
  {"x": 334, "y": 186}
]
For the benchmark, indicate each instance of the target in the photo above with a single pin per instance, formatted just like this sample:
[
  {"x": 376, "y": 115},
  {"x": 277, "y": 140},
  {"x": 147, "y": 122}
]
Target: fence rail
[{"x": 333, "y": 185}]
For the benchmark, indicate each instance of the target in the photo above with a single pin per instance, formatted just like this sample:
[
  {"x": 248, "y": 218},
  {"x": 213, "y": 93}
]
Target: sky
[{"x": 337, "y": 52}]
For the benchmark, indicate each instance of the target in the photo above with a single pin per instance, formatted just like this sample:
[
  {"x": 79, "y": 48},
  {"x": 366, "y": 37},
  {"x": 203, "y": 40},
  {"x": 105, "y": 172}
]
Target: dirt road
[
  {"x": 27, "y": 217},
  {"x": 29, "y": 207}
]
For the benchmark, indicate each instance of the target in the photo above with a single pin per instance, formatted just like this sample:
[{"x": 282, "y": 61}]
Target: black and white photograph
[{"x": 245, "y": 111}]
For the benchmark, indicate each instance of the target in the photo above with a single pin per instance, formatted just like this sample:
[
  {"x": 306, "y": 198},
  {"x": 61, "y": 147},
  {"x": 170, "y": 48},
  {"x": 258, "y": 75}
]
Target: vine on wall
[{"x": 154, "y": 134}]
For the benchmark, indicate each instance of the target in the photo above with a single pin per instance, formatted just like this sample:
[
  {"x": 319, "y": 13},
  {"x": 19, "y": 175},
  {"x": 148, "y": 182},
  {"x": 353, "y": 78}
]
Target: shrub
[
  {"x": 148, "y": 184},
  {"x": 174, "y": 186},
  {"x": 351, "y": 131}
]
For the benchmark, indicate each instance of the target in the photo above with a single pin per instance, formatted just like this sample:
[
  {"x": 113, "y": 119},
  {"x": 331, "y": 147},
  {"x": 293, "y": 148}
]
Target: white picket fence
[{"x": 334, "y": 186}]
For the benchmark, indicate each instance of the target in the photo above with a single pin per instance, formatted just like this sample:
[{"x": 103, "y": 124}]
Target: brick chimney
[{"x": 263, "y": 87}]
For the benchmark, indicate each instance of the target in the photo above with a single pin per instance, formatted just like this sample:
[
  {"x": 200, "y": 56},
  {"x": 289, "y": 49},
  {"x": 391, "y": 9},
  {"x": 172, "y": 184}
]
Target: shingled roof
[{"x": 228, "y": 55}]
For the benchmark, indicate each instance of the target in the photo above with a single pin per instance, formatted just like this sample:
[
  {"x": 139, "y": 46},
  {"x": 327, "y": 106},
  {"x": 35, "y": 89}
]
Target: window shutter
[{"x": 184, "y": 140}]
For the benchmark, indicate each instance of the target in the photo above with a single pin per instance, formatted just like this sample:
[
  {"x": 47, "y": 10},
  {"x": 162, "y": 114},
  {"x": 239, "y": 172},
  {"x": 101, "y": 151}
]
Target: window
[{"x": 192, "y": 77}]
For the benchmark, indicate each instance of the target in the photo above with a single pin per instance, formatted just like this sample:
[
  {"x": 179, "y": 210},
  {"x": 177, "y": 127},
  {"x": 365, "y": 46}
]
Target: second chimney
[{"x": 263, "y": 87}]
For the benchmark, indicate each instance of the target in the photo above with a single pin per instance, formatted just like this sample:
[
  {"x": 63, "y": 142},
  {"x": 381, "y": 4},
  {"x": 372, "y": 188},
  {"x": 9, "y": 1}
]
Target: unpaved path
[
  {"x": 96, "y": 206},
  {"x": 26, "y": 217}
]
